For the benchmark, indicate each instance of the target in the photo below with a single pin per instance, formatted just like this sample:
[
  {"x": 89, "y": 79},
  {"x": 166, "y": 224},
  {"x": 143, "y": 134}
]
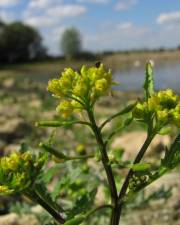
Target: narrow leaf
[
  {"x": 140, "y": 166},
  {"x": 53, "y": 151},
  {"x": 149, "y": 80},
  {"x": 172, "y": 155},
  {"x": 76, "y": 220}
]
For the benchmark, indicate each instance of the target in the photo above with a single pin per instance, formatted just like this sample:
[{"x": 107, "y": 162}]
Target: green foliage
[
  {"x": 149, "y": 81},
  {"x": 172, "y": 155},
  {"x": 71, "y": 43},
  {"x": 19, "y": 42},
  {"x": 76, "y": 175}
]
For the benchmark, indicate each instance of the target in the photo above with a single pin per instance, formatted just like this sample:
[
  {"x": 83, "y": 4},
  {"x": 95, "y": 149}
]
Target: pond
[{"x": 165, "y": 76}]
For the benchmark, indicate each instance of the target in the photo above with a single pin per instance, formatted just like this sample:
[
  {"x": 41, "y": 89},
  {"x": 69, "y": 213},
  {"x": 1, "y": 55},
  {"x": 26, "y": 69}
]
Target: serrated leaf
[
  {"x": 83, "y": 203},
  {"x": 172, "y": 155},
  {"x": 149, "y": 80},
  {"x": 49, "y": 174},
  {"x": 65, "y": 181}
]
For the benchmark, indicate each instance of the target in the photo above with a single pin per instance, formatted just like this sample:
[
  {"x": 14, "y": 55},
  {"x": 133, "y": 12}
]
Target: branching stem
[{"x": 35, "y": 197}]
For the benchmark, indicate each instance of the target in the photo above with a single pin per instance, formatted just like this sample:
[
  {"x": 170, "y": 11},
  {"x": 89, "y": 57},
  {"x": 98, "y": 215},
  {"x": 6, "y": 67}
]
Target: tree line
[{"x": 21, "y": 43}]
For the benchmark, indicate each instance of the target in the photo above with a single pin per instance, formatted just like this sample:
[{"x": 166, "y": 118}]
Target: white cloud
[
  {"x": 125, "y": 26},
  {"x": 122, "y": 36},
  {"x": 7, "y": 16},
  {"x": 69, "y": 10},
  {"x": 125, "y": 4},
  {"x": 43, "y": 3},
  {"x": 130, "y": 30},
  {"x": 8, "y": 3},
  {"x": 169, "y": 18},
  {"x": 39, "y": 21},
  {"x": 93, "y": 1},
  {"x": 51, "y": 15}
]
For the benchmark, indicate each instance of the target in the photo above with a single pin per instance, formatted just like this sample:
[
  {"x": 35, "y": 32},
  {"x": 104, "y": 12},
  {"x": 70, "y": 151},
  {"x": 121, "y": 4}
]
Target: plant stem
[
  {"x": 56, "y": 123},
  {"x": 105, "y": 159},
  {"x": 35, "y": 197},
  {"x": 116, "y": 200},
  {"x": 116, "y": 213},
  {"x": 97, "y": 209},
  {"x": 138, "y": 158},
  {"x": 123, "y": 111}
]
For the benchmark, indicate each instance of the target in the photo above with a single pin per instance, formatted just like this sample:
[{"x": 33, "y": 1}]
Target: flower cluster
[
  {"x": 164, "y": 105},
  {"x": 18, "y": 171},
  {"x": 77, "y": 89}
]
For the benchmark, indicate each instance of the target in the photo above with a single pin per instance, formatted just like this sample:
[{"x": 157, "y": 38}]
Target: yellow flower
[
  {"x": 101, "y": 86},
  {"x": 65, "y": 108},
  {"x": 18, "y": 171},
  {"x": 54, "y": 87},
  {"x": 140, "y": 110},
  {"x": 86, "y": 86},
  {"x": 175, "y": 118},
  {"x": 167, "y": 99},
  {"x": 81, "y": 149},
  {"x": 162, "y": 115},
  {"x": 164, "y": 104},
  {"x": 80, "y": 89},
  {"x": 4, "y": 190}
]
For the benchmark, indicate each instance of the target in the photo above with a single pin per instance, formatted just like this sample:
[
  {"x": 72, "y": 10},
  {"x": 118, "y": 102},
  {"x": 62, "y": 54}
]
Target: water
[{"x": 165, "y": 76}]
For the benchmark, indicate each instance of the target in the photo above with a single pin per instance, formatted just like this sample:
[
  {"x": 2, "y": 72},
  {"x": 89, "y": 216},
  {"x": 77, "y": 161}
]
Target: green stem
[
  {"x": 57, "y": 123},
  {"x": 115, "y": 217},
  {"x": 35, "y": 197},
  {"x": 83, "y": 157},
  {"x": 138, "y": 158},
  {"x": 123, "y": 111},
  {"x": 105, "y": 159},
  {"x": 60, "y": 155},
  {"x": 97, "y": 209}
]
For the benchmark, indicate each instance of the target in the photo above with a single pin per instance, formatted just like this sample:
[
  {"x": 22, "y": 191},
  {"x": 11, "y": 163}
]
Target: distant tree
[
  {"x": 19, "y": 42},
  {"x": 71, "y": 42}
]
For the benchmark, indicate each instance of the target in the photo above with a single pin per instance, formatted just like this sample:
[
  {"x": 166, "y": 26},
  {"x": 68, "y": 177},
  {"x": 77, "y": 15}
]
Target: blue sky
[{"x": 103, "y": 24}]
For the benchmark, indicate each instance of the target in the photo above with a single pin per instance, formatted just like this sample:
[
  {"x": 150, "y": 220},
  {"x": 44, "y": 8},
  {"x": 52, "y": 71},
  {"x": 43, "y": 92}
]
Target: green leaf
[
  {"x": 172, "y": 155},
  {"x": 43, "y": 192},
  {"x": 24, "y": 147},
  {"x": 140, "y": 166},
  {"x": 66, "y": 181},
  {"x": 165, "y": 131},
  {"x": 83, "y": 203},
  {"x": 76, "y": 221},
  {"x": 128, "y": 108},
  {"x": 48, "y": 175},
  {"x": 53, "y": 151},
  {"x": 149, "y": 81}
]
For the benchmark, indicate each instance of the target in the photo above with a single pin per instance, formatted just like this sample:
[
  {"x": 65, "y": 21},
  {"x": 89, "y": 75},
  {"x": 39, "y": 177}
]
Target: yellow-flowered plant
[
  {"x": 164, "y": 106},
  {"x": 79, "y": 89},
  {"x": 18, "y": 171},
  {"x": 77, "y": 92}
]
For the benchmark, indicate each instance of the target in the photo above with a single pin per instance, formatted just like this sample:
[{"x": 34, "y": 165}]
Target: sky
[{"x": 104, "y": 24}]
